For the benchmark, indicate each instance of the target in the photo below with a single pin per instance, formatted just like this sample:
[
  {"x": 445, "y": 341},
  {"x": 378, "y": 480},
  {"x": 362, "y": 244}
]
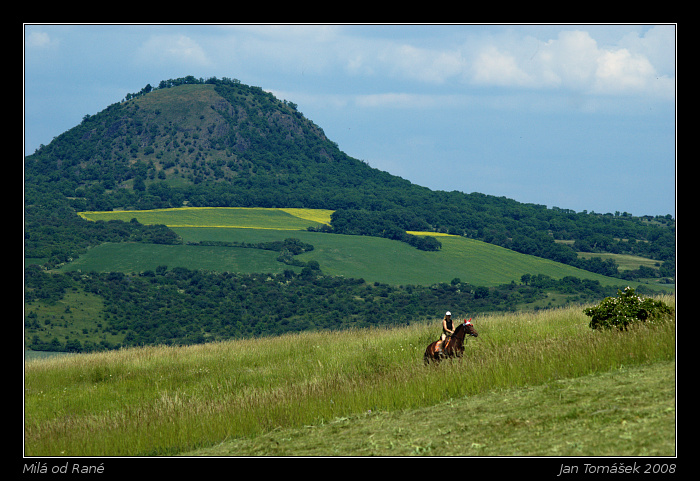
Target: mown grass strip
[{"x": 624, "y": 412}]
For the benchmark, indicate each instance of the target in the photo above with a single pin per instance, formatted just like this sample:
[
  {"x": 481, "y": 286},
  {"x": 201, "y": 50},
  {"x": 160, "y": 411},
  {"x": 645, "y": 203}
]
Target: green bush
[{"x": 625, "y": 309}]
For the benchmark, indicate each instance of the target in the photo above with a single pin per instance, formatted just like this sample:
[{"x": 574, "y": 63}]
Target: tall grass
[{"x": 165, "y": 400}]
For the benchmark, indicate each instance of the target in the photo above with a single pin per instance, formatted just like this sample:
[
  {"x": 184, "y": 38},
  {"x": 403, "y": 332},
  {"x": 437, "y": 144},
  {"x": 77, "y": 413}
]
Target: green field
[
  {"x": 624, "y": 262},
  {"x": 139, "y": 257},
  {"x": 371, "y": 258},
  {"x": 531, "y": 384}
]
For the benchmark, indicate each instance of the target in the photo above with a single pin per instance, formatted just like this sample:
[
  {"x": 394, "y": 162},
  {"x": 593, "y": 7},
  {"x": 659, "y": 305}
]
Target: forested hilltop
[{"x": 218, "y": 142}]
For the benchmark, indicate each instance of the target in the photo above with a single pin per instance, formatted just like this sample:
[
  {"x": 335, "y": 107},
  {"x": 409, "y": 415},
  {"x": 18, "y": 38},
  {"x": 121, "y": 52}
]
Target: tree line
[{"x": 179, "y": 306}]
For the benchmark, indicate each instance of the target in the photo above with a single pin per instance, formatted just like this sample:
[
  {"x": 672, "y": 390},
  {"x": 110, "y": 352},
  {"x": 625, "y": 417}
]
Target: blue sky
[{"x": 580, "y": 117}]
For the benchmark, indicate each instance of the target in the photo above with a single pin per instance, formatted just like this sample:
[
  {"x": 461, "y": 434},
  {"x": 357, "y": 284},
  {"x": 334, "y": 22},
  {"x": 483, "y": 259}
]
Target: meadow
[{"x": 367, "y": 392}]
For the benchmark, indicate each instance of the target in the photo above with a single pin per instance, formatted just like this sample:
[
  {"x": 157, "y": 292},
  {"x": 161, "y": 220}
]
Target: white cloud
[
  {"x": 432, "y": 66},
  {"x": 357, "y": 65},
  {"x": 569, "y": 61},
  {"x": 398, "y": 72},
  {"x": 178, "y": 49},
  {"x": 496, "y": 68},
  {"x": 37, "y": 40},
  {"x": 574, "y": 61},
  {"x": 566, "y": 59},
  {"x": 620, "y": 71},
  {"x": 658, "y": 44}
]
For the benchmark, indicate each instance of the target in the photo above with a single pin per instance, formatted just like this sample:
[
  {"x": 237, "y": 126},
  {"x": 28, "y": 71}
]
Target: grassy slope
[
  {"x": 533, "y": 384},
  {"x": 624, "y": 262},
  {"x": 371, "y": 258},
  {"x": 138, "y": 257}
]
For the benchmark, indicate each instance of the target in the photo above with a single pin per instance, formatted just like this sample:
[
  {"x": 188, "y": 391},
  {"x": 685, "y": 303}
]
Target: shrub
[{"x": 625, "y": 309}]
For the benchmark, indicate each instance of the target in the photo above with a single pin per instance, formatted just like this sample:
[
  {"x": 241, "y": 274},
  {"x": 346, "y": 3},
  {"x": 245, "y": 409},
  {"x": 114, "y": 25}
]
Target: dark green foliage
[
  {"x": 180, "y": 306},
  {"x": 55, "y": 234},
  {"x": 626, "y": 309},
  {"x": 290, "y": 245},
  {"x": 391, "y": 224},
  {"x": 288, "y": 248}
]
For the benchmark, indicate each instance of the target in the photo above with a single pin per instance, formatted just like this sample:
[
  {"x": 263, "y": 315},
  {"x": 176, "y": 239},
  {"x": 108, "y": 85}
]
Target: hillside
[
  {"x": 242, "y": 272},
  {"x": 212, "y": 237},
  {"x": 218, "y": 142},
  {"x": 197, "y": 143}
]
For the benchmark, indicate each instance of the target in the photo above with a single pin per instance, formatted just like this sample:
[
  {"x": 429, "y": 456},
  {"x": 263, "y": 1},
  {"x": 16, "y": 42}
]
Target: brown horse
[{"x": 454, "y": 346}]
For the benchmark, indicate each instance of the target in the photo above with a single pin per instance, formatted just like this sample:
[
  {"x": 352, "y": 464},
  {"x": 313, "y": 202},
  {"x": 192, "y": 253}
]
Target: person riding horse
[
  {"x": 451, "y": 343},
  {"x": 447, "y": 331}
]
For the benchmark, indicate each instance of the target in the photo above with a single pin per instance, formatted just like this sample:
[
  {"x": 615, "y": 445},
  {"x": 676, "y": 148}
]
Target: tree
[
  {"x": 481, "y": 292},
  {"x": 73, "y": 345},
  {"x": 626, "y": 309},
  {"x": 139, "y": 184}
]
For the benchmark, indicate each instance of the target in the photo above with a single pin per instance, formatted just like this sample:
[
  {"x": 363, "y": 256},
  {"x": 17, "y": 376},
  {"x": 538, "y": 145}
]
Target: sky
[{"x": 579, "y": 117}]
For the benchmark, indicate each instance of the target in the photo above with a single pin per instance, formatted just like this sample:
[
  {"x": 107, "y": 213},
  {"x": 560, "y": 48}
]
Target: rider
[{"x": 447, "y": 331}]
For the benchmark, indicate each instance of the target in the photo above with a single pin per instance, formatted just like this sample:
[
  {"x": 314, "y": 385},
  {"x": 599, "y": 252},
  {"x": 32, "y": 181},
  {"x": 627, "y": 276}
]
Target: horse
[{"x": 454, "y": 346}]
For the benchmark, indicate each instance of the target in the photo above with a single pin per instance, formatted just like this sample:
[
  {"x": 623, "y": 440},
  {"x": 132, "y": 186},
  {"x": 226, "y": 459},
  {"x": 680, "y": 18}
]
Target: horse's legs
[{"x": 432, "y": 353}]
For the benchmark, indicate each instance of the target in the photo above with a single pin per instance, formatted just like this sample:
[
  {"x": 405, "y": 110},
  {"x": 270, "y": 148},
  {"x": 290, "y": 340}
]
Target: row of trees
[
  {"x": 54, "y": 234},
  {"x": 181, "y": 306}
]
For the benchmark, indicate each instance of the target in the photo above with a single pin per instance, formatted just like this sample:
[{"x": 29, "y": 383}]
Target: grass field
[
  {"x": 139, "y": 257},
  {"x": 530, "y": 384},
  {"x": 628, "y": 411},
  {"x": 371, "y": 258},
  {"x": 624, "y": 262}
]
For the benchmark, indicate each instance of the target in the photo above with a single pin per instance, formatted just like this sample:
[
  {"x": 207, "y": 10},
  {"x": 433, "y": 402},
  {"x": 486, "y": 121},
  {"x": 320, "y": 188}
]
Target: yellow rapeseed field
[
  {"x": 231, "y": 217},
  {"x": 317, "y": 215}
]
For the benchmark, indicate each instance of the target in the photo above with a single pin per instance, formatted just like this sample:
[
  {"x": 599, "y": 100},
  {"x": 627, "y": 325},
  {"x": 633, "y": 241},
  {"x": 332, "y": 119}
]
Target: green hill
[
  {"x": 553, "y": 419},
  {"x": 218, "y": 142}
]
